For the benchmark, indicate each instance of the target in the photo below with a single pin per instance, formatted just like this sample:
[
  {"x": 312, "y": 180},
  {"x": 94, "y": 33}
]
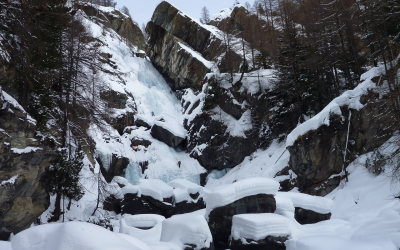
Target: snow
[
  {"x": 70, "y": 236},
  {"x": 317, "y": 204},
  {"x": 133, "y": 225},
  {"x": 9, "y": 181},
  {"x": 6, "y": 97},
  {"x": 183, "y": 188},
  {"x": 259, "y": 226},
  {"x": 196, "y": 55},
  {"x": 26, "y": 150},
  {"x": 252, "y": 82},
  {"x": 163, "y": 246},
  {"x": 238, "y": 190},
  {"x": 350, "y": 98},
  {"x": 155, "y": 188},
  {"x": 186, "y": 229},
  {"x": 284, "y": 206},
  {"x": 224, "y": 13},
  {"x": 234, "y": 127},
  {"x": 5, "y": 245},
  {"x": 135, "y": 241},
  {"x": 137, "y": 78}
]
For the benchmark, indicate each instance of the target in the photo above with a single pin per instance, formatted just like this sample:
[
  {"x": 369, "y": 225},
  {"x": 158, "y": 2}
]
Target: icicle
[{"x": 347, "y": 142}]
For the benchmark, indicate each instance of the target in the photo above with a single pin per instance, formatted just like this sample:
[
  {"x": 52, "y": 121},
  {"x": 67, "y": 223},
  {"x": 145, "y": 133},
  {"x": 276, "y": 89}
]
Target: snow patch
[{"x": 26, "y": 150}]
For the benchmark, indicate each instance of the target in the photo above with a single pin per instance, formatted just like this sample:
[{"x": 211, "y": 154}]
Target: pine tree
[{"x": 62, "y": 179}]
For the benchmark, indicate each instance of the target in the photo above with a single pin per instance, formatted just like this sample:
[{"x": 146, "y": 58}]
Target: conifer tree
[{"x": 62, "y": 179}]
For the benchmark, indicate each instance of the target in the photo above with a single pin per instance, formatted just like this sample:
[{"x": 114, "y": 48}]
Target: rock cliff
[
  {"x": 119, "y": 22},
  {"x": 319, "y": 156},
  {"x": 24, "y": 156}
]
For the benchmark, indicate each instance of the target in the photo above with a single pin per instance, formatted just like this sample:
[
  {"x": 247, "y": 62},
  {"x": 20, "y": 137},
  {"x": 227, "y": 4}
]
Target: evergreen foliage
[{"x": 62, "y": 178}]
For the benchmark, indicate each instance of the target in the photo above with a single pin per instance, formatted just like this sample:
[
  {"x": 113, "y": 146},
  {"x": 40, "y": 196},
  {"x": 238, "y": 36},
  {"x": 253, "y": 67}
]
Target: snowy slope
[{"x": 150, "y": 92}]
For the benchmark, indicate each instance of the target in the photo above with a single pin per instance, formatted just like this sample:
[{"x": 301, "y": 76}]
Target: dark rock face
[
  {"x": 112, "y": 204},
  {"x": 116, "y": 168},
  {"x": 220, "y": 219},
  {"x": 132, "y": 204},
  {"x": 270, "y": 243},
  {"x": 178, "y": 66},
  {"x": 186, "y": 207},
  {"x": 318, "y": 154},
  {"x": 140, "y": 123},
  {"x": 114, "y": 99},
  {"x": 169, "y": 27},
  {"x": 122, "y": 121},
  {"x": 305, "y": 216},
  {"x": 215, "y": 135},
  {"x": 25, "y": 198},
  {"x": 120, "y": 23},
  {"x": 138, "y": 141},
  {"x": 166, "y": 136},
  {"x": 229, "y": 106}
]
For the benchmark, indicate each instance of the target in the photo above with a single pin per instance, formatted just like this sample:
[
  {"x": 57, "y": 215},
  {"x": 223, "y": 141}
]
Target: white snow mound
[
  {"x": 259, "y": 226},
  {"x": 146, "y": 227},
  {"x": 187, "y": 229},
  {"x": 70, "y": 236},
  {"x": 317, "y": 204}
]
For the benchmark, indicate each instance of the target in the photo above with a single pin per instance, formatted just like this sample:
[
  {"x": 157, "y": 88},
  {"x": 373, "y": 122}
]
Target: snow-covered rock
[
  {"x": 146, "y": 227},
  {"x": 187, "y": 231},
  {"x": 259, "y": 231},
  {"x": 259, "y": 226},
  {"x": 253, "y": 195},
  {"x": 238, "y": 190}
]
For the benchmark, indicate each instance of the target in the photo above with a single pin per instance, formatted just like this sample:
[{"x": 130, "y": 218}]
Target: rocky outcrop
[
  {"x": 204, "y": 130},
  {"x": 305, "y": 216},
  {"x": 122, "y": 121},
  {"x": 318, "y": 155},
  {"x": 140, "y": 142},
  {"x": 167, "y": 29},
  {"x": 24, "y": 156},
  {"x": 166, "y": 136},
  {"x": 114, "y": 168},
  {"x": 120, "y": 23},
  {"x": 270, "y": 243},
  {"x": 141, "y": 123},
  {"x": 133, "y": 204},
  {"x": 186, "y": 207},
  {"x": 116, "y": 100},
  {"x": 220, "y": 218}
]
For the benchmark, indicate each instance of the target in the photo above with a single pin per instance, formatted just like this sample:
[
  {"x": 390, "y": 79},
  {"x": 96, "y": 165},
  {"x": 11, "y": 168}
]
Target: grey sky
[{"x": 142, "y": 10}]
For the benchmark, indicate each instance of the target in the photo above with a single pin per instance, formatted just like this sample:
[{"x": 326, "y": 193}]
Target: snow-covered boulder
[
  {"x": 307, "y": 208},
  {"x": 187, "y": 231},
  {"x": 71, "y": 236},
  {"x": 259, "y": 231},
  {"x": 150, "y": 196},
  {"x": 253, "y": 195},
  {"x": 161, "y": 133},
  {"x": 146, "y": 227},
  {"x": 187, "y": 196}
]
